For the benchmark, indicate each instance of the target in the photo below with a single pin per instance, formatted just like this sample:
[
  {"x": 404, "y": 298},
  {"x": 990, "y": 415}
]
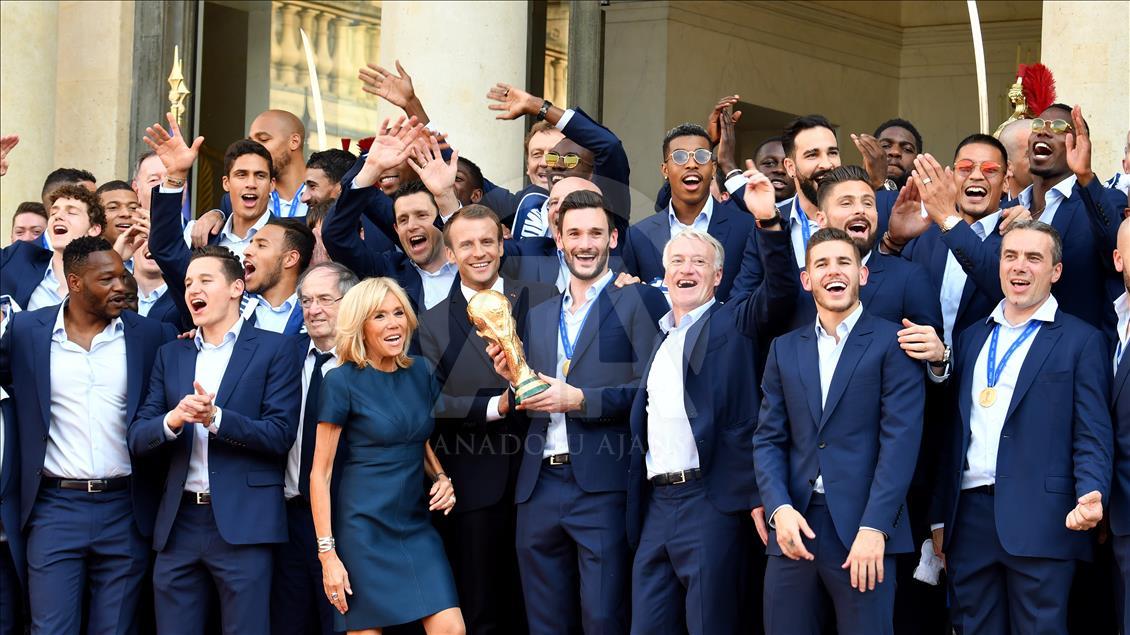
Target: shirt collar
[
  {"x": 1046, "y": 313},
  {"x": 49, "y": 272},
  {"x": 469, "y": 293},
  {"x": 986, "y": 223},
  {"x": 592, "y": 291},
  {"x": 1122, "y": 310},
  {"x": 59, "y": 333},
  {"x": 448, "y": 267},
  {"x": 229, "y": 233},
  {"x": 286, "y": 307},
  {"x": 314, "y": 349},
  {"x": 843, "y": 329},
  {"x": 707, "y": 212},
  {"x": 155, "y": 294},
  {"x": 229, "y": 337},
  {"x": 667, "y": 322},
  {"x": 1063, "y": 188}
]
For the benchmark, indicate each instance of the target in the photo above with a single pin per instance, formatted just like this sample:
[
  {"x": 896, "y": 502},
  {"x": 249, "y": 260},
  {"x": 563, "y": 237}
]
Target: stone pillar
[
  {"x": 452, "y": 72},
  {"x": 1084, "y": 45},
  {"x": 586, "y": 48}
]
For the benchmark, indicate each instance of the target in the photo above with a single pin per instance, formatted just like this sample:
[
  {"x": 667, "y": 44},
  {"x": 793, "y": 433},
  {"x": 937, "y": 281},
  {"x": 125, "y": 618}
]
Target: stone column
[
  {"x": 1084, "y": 45},
  {"x": 452, "y": 73},
  {"x": 586, "y": 47}
]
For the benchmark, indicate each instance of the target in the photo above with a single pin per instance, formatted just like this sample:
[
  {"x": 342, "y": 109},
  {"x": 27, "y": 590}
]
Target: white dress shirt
[
  {"x": 468, "y": 293},
  {"x": 87, "y": 437},
  {"x": 796, "y": 230},
  {"x": 273, "y": 319},
  {"x": 671, "y": 446},
  {"x": 985, "y": 424},
  {"x": 557, "y": 436},
  {"x": 1122, "y": 310},
  {"x": 829, "y": 348},
  {"x": 700, "y": 222},
  {"x": 294, "y": 457},
  {"x": 1052, "y": 198},
  {"x": 47, "y": 291},
  {"x": 438, "y": 284},
  {"x": 145, "y": 302},
  {"x": 954, "y": 277},
  {"x": 3, "y": 396},
  {"x": 1120, "y": 181},
  {"x": 228, "y": 238},
  {"x": 563, "y": 274},
  {"x": 211, "y": 364}
]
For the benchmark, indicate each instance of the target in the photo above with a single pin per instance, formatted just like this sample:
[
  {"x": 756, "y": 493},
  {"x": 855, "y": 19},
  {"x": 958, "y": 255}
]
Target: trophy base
[{"x": 526, "y": 389}]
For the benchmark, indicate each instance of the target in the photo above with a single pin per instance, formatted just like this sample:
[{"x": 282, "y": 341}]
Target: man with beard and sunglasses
[
  {"x": 1066, "y": 194},
  {"x": 78, "y": 372},
  {"x": 590, "y": 345},
  {"x": 688, "y": 166}
]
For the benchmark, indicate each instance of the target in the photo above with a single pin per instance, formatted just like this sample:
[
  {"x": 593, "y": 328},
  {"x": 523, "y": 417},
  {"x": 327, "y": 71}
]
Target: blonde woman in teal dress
[{"x": 382, "y": 561}]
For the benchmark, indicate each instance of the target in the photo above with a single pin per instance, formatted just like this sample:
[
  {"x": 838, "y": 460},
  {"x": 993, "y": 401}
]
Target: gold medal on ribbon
[
  {"x": 565, "y": 368},
  {"x": 988, "y": 397}
]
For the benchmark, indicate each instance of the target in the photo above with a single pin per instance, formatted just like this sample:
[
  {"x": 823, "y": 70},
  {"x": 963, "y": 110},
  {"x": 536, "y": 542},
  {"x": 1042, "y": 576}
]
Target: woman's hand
[
  {"x": 335, "y": 581},
  {"x": 443, "y": 495}
]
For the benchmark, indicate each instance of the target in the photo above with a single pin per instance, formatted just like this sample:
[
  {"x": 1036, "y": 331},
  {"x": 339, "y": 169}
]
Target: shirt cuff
[
  {"x": 735, "y": 183},
  {"x": 492, "y": 409},
  {"x": 170, "y": 190},
  {"x": 938, "y": 379},
  {"x": 878, "y": 531},
  {"x": 169, "y": 434},
  {"x": 215, "y": 427},
  {"x": 771, "y": 522},
  {"x": 564, "y": 120},
  {"x": 936, "y": 526}
]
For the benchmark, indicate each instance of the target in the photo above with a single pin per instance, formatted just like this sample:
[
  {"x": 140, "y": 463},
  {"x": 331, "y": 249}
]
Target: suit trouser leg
[
  {"x": 481, "y": 543},
  {"x": 547, "y": 557},
  {"x": 658, "y": 602},
  {"x": 298, "y": 601},
  {"x": 77, "y": 536},
  {"x": 595, "y": 523},
  {"x": 1122, "y": 557},
  {"x": 974, "y": 569},
  {"x": 1038, "y": 590},
  {"x": 11, "y": 594}
]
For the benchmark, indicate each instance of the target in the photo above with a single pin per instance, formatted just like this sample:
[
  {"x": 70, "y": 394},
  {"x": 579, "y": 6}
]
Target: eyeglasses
[
  {"x": 324, "y": 301},
  {"x": 702, "y": 156},
  {"x": 1058, "y": 126},
  {"x": 568, "y": 161},
  {"x": 965, "y": 167}
]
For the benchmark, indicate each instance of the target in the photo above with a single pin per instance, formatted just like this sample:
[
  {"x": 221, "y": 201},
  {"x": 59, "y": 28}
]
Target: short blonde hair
[{"x": 358, "y": 305}]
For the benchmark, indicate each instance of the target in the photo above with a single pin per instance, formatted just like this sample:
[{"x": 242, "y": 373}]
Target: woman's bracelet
[{"x": 326, "y": 544}]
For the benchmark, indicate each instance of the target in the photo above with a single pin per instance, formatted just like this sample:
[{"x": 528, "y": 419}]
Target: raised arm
[{"x": 768, "y": 307}]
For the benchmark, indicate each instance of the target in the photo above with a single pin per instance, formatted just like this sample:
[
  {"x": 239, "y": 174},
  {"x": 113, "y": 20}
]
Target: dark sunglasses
[{"x": 1058, "y": 126}]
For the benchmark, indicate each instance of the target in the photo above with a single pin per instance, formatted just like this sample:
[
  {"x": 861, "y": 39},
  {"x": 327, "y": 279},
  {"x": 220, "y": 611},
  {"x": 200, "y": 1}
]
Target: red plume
[
  {"x": 1039, "y": 88},
  {"x": 345, "y": 143},
  {"x": 365, "y": 143}
]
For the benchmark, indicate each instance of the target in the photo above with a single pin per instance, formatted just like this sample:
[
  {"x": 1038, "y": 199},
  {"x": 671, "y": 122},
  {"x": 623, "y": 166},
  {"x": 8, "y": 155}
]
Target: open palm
[{"x": 175, "y": 154}]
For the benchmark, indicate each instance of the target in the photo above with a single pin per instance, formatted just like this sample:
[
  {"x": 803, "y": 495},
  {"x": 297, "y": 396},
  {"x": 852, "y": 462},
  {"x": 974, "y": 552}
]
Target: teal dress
[{"x": 397, "y": 567}]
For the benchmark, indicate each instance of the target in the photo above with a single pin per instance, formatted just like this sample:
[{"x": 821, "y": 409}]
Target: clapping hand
[
  {"x": 195, "y": 408},
  {"x": 129, "y": 241},
  {"x": 1079, "y": 148},
  {"x": 935, "y": 187},
  {"x": 175, "y": 154},
  {"x": 907, "y": 222},
  {"x": 874, "y": 158},
  {"x": 714, "y": 121}
]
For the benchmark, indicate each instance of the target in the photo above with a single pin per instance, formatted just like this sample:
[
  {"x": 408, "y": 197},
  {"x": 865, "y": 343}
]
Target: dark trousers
[
  {"x": 298, "y": 599},
  {"x": 690, "y": 567},
  {"x": 570, "y": 540},
  {"x": 80, "y": 545},
  {"x": 995, "y": 593},
  {"x": 484, "y": 562},
  {"x": 1122, "y": 582},
  {"x": 196, "y": 557},
  {"x": 11, "y": 594},
  {"x": 800, "y": 593}
]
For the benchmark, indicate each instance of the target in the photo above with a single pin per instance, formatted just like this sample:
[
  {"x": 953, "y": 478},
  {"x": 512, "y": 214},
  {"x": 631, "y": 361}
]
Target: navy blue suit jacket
[
  {"x": 720, "y": 392},
  {"x": 508, "y": 205},
  {"x": 10, "y": 492},
  {"x": 644, "y": 255},
  {"x": 531, "y": 260},
  {"x": 165, "y": 310},
  {"x": 608, "y": 359},
  {"x": 863, "y": 441},
  {"x": 1088, "y": 225},
  {"x": 25, "y": 364},
  {"x": 22, "y": 265},
  {"x": 374, "y": 238},
  {"x": 1120, "y": 413},
  {"x": 247, "y": 459},
  {"x": 1056, "y": 443}
]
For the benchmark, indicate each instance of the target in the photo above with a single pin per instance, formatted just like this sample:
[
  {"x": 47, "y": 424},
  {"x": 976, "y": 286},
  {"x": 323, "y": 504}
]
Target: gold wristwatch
[{"x": 950, "y": 222}]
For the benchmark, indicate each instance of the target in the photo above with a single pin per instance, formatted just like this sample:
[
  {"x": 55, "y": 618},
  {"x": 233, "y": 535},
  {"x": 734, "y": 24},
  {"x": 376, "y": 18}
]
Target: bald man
[
  {"x": 539, "y": 258},
  {"x": 1015, "y": 140},
  {"x": 1120, "y": 415}
]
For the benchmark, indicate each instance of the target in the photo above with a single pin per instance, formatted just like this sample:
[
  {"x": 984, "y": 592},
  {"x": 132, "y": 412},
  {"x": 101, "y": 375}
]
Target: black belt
[
  {"x": 989, "y": 489},
  {"x": 197, "y": 498},
  {"x": 676, "y": 478},
  {"x": 557, "y": 460},
  {"x": 298, "y": 501},
  {"x": 93, "y": 486}
]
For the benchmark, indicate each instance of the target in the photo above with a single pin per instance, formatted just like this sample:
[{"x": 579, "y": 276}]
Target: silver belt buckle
[
  {"x": 556, "y": 459},
  {"x": 682, "y": 478},
  {"x": 200, "y": 497},
  {"x": 93, "y": 486}
]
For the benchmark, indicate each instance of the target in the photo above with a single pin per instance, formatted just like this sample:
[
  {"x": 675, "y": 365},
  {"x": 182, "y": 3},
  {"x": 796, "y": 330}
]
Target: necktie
[{"x": 310, "y": 423}]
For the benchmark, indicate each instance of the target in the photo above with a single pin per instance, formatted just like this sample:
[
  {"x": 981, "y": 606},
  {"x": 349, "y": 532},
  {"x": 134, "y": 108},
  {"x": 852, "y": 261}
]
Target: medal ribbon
[
  {"x": 805, "y": 230},
  {"x": 994, "y": 374},
  {"x": 567, "y": 346},
  {"x": 277, "y": 201}
]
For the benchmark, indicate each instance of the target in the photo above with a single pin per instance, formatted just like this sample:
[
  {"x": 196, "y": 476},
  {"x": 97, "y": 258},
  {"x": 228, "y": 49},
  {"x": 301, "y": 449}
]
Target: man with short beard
[
  {"x": 901, "y": 142},
  {"x": 571, "y": 484},
  {"x": 79, "y": 371},
  {"x": 540, "y": 258}
]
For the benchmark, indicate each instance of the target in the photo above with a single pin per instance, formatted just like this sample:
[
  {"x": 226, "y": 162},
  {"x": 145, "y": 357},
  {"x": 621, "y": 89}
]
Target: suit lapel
[
  {"x": 1042, "y": 345},
  {"x": 1063, "y": 214},
  {"x": 543, "y": 342},
  {"x": 605, "y": 302},
  {"x": 809, "y": 358},
  {"x": 857, "y": 342},
  {"x": 968, "y": 363},
  {"x": 1121, "y": 377},
  {"x": 295, "y": 323},
  {"x": 244, "y": 349},
  {"x": 463, "y": 331},
  {"x": 694, "y": 357},
  {"x": 658, "y": 232},
  {"x": 134, "y": 380},
  {"x": 876, "y": 266},
  {"x": 42, "y": 337},
  {"x": 719, "y": 228}
]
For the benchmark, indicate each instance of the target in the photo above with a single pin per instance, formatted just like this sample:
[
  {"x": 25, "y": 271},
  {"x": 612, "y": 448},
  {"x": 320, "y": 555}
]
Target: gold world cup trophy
[{"x": 489, "y": 312}]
